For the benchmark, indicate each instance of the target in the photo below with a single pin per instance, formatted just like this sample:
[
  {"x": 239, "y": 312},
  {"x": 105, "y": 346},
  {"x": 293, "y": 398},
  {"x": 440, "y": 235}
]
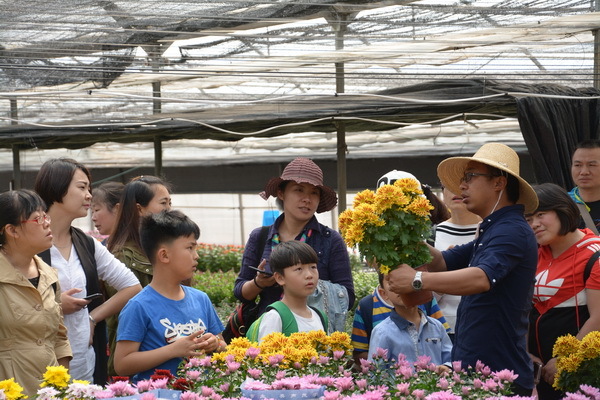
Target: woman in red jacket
[{"x": 566, "y": 300}]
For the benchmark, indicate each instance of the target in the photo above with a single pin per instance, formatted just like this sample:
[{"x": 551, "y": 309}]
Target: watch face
[{"x": 417, "y": 283}]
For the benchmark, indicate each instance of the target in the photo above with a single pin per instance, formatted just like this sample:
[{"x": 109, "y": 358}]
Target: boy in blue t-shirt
[{"x": 166, "y": 321}]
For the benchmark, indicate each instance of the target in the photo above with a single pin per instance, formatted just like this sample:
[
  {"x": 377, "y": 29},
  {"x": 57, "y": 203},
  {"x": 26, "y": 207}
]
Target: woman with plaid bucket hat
[
  {"x": 495, "y": 272},
  {"x": 300, "y": 193}
]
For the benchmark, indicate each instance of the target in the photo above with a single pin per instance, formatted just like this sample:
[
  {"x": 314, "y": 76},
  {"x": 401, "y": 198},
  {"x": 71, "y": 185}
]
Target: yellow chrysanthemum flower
[
  {"x": 354, "y": 235},
  {"x": 346, "y": 220},
  {"x": 365, "y": 197},
  {"x": 569, "y": 363},
  {"x": 384, "y": 269},
  {"x": 388, "y": 196},
  {"x": 565, "y": 345},
  {"x": 12, "y": 390},
  {"x": 241, "y": 342},
  {"x": 366, "y": 214},
  {"x": 589, "y": 347},
  {"x": 395, "y": 216},
  {"x": 420, "y": 206},
  {"x": 409, "y": 186},
  {"x": 57, "y": 377}
]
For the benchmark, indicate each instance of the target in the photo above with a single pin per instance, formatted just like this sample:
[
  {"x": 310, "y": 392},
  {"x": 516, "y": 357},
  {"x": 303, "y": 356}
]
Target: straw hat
[
  {"x": 497, "y": 155},
  {"x": 303, "y": 170}
]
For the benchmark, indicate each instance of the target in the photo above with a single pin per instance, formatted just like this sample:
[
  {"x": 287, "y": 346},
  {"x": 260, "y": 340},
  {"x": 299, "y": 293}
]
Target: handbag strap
[
  {"x": 588, "y": 267},
  {"x": 587, "y": 218}
]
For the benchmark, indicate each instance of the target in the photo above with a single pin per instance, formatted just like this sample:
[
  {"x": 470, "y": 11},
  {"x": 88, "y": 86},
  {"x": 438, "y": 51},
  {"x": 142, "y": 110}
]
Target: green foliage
[
  {"x": 364, "y": 283},
  {"x": 357, "y": 262},
  {"x": 214, "y": 257},
  {"x": 217, "y": 285},
  {"x": 399, "y": 241}
]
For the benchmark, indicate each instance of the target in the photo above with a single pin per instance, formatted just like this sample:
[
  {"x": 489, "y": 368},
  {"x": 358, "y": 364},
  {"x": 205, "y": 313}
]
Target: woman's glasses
[{"x": 40, "y": 220}]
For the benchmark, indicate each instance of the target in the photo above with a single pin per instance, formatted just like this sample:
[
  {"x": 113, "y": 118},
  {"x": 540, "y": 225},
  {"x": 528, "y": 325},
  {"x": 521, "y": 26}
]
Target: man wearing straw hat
[{"x": 495, "y": 272}]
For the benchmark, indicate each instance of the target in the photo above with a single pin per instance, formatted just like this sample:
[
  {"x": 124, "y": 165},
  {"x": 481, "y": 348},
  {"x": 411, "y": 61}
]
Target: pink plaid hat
[{"x": 303, "y": 170}]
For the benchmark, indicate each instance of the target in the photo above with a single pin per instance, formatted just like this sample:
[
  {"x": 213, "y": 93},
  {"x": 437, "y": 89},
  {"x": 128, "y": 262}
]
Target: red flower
[
  {"x": 114, "y": 379},
  {"x": 162, "y": 374},
  {"x": 182, "y": 384}
]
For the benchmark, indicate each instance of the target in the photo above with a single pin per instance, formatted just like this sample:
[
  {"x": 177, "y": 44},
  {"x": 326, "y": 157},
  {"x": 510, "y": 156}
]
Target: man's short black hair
[
  {"x": 288, "y": 254},
  {"x": 588, "y": 144},
  {"x": 163, "y": 228}
]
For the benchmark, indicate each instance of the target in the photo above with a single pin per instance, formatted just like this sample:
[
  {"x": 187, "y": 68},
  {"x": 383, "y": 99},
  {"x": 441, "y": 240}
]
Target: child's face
[
  {"x": 392, "y": 297},
  {"x": 183, "y": 257},
  {"x": 298, "y": 280}
]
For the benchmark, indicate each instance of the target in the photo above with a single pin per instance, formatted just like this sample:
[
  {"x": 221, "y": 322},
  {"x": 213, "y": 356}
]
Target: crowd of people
[{"x": 513, "y": 267}]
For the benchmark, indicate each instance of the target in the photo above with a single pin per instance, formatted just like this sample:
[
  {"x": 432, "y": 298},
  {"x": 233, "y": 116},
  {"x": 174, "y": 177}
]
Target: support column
[
  {"x": 339, "y": 23},
  {"x": 154, "y": 53},
  {"x": 17, "y": 180},
  {"x": 596, "y": 34}
]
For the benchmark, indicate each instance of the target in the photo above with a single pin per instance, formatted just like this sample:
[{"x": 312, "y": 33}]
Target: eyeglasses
[
  {"x": 40, "y": 220},
  {"x": 470, "y": 175}
]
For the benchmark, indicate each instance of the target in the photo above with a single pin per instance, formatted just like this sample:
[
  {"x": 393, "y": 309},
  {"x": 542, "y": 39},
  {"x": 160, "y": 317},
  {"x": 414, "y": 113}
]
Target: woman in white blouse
[{"x": 82, "y": 262}]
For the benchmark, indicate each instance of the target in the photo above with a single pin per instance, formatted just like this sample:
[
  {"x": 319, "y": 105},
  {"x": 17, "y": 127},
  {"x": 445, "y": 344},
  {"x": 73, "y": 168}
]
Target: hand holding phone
[
  {"x": 261, "y": 271},
  {"x": 92, "y": 296}
]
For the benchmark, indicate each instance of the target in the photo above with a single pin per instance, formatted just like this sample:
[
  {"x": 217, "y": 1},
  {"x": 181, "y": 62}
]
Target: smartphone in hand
[
  {"x": 92, "y": 296},
  {"x": 261, "y": 271}
]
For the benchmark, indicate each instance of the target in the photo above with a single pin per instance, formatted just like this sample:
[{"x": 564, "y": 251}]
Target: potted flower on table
[{"x": 390, "y": 227}]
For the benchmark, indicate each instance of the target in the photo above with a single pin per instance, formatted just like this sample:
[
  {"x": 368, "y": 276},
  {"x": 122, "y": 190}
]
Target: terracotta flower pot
[{"x": 419, "y": 297}]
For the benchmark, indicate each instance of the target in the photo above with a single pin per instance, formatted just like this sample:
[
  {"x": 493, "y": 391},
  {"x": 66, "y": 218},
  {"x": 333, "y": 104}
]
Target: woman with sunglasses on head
[
  {"x": 32, "y": 330},
  {"x": 81, "y": 261},
  {"x": 142, "y": 196},
  {"x": 566, "y": 299}
]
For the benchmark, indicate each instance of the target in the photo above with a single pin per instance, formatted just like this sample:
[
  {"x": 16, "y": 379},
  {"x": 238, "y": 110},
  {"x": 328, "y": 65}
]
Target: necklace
[{"x": 62, "y": 247}]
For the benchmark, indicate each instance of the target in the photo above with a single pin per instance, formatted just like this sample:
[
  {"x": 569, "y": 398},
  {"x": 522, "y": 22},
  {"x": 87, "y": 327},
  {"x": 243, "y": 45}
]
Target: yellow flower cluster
[
  {"x": 575, "y": 357},
  {"x": 12, "y": 390},
  {"x": 298, "y": 348},
  {"x": 57, "y": 377},
  {"x": 390, "y": 220}
]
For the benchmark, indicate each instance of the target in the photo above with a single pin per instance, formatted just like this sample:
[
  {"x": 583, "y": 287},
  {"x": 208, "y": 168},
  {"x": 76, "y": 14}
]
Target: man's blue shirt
[{"x": 492, "y": 326}]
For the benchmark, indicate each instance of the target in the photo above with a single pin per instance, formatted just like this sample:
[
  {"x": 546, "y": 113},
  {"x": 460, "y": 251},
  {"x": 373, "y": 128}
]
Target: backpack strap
[
  {"x": 590, "y": 264},
  {"x": 587, "y": 218},
  {"x": 288, "y": 322}
]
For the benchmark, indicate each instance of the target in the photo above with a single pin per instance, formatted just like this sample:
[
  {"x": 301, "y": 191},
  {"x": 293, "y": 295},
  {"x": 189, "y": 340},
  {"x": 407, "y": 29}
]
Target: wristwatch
[{"x": 417, "y": 283}]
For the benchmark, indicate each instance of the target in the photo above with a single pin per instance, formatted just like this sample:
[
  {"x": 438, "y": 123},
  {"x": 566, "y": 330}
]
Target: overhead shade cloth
[{"x": 552, "y": 127}]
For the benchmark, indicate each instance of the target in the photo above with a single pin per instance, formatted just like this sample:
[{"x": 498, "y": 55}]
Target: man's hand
[{"x": 401, "y": 278}]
